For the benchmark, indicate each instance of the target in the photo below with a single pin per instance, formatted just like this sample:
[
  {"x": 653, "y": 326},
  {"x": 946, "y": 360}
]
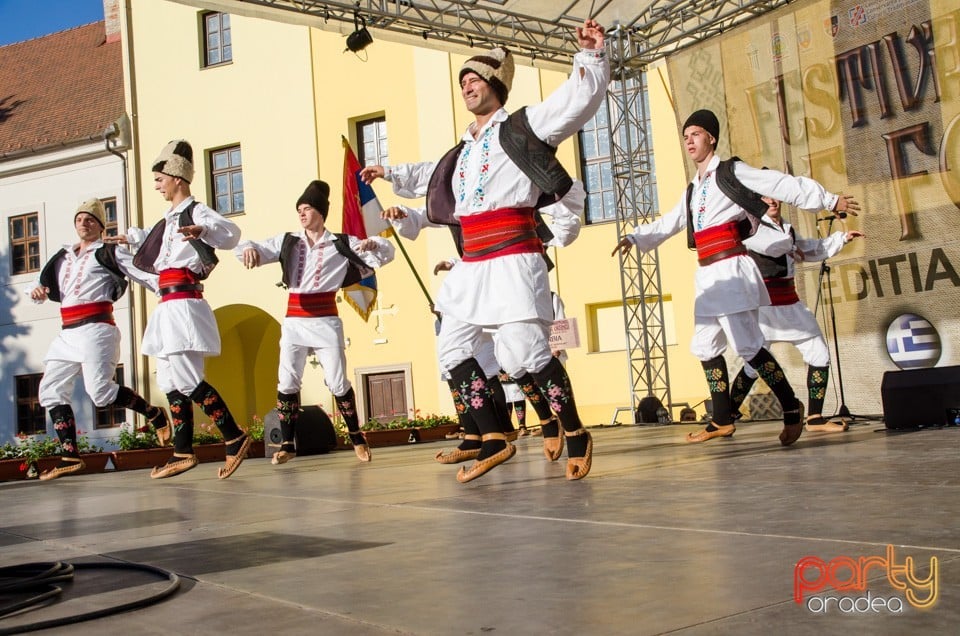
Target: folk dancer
[
  {"x": 776, "y": 248},
  {"x": 86, "y": 278},
  {"x": 182, "y": 331},
  {"x": 410, "y": 181},
  {"x": 489, "y": 185},
  {"x": 315, "y": 264},
  {"x": 728, "y": 285}
]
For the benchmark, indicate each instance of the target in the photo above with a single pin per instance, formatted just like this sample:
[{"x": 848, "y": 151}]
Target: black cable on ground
[{"x": 18, "y": 579}]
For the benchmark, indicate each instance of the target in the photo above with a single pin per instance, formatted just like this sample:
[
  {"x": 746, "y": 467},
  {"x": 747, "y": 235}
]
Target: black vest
[
  {"x": 146, "y": 256},
  {"x": 357, "y": 269},
  {"x": 772, "y": 266},
  {"x": 535, "y": 158},
  {"x": 105, "y": 255},
  {"x": 740, "y": 194}
]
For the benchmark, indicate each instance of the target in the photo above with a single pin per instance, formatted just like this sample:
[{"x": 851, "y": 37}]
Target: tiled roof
[{"x": 59, "y": 89}]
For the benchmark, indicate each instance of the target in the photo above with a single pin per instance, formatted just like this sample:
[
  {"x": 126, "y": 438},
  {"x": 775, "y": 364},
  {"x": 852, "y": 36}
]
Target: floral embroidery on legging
[
  {"x": 176, "y": 414},
  {"x": 716, "y": 380},
  {"x": 817, "y": 384},
  {"x": 771, "y": 373},
  {"x": 472, "y": 394},
  {"x": 530, "y": 392},
  {"x": 556, "y": 395}
]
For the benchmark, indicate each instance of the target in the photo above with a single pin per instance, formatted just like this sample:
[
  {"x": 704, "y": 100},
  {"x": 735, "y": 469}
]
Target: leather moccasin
[{"x": 726, "y": 430}]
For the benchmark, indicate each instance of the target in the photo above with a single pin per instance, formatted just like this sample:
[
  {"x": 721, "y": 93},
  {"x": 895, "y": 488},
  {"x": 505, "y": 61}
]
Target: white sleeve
[
  {"x": 566, "y": 215},
  {"x": 567, "y": 109},
  {"x": 770, "y": 240},
  {"x": 821, "y": 249},
  {"x": 269, "y": 250},
  {"x": 218, "y": 231},
  {"x": 800, "y": 192},
  {"x": 142, "y": 278},
  {"x": 649, "y": 236},
  {"x": 377, "y": 258},
  {"x": 409, "y": 180}
]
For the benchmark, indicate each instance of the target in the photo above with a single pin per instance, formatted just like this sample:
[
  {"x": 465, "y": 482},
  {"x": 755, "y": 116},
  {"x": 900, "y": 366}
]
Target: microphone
[{"x": 838, "y": 215}]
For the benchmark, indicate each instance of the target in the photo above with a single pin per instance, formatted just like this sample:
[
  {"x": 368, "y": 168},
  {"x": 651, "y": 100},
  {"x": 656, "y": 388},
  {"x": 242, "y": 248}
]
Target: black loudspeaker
[
  {"x": 920, "y": 397},
  {"x": 315, "y": 433}
]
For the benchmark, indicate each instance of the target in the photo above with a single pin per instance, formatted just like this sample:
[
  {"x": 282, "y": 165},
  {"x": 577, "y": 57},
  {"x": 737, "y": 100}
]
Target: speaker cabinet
[
  {"x": 916, "y": 398},
  {"x": 315, "y": 433}
]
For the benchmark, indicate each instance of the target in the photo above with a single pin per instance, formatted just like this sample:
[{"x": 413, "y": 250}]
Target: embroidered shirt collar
[{"x": 498, "y": 117}]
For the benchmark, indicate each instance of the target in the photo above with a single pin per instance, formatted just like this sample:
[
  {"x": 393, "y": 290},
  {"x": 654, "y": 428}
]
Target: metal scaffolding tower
[{"x": 634, "y": 181}]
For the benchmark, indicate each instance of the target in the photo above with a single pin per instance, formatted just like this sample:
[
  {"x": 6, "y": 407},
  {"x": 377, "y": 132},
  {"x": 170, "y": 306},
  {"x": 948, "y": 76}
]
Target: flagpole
[{"x": 413, "y": 269}]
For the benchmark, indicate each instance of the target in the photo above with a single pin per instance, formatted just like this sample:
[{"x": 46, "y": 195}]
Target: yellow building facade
[{"x": 287, "y": 97}]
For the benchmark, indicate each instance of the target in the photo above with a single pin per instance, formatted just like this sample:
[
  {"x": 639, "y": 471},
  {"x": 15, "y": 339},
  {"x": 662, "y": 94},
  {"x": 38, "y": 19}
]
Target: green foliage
[
  {"x": 255, "y": 430},
  {"x": 31, "y": 448},
  {"x": 84, "y": 446},
  {"x": 143, "y": 437},
  {"x": 206, "y": 433},
  {"x": 417, "y": 421}
]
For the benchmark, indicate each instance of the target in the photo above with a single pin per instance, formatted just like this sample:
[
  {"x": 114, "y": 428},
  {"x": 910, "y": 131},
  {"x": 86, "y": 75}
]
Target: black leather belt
[
  {"x": 173, "y": 289},
  {"x": 719, "y": 256},
  {"x": 104, "y": 317}
]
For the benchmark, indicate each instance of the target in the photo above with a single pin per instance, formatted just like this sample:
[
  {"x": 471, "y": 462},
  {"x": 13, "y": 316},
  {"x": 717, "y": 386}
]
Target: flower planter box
[
  {"x": 437, "y": 433},
  {"x": 12, "y": 469},
  {"x": 141, "y": 458},
  {"x": 392, "y": 437},
  {"x": 94, "y": 463},
  {"x": 257, "y": 449},
  {"x": 210, "y": 452}
]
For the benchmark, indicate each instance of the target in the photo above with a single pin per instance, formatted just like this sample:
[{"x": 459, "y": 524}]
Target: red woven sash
[
  {"x": 718, "y": 242},
  {"x": 312, "y": 305},
  {"x": 86, "y": 314},
  {"x": 498, "y": 233},
  {"x": 179, "y": 283},
  {"x": 782, "y": 291}
]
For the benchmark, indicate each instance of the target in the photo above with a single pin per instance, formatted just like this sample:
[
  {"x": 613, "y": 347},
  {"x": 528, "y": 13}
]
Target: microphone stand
[{"x": 842, "y": 411}]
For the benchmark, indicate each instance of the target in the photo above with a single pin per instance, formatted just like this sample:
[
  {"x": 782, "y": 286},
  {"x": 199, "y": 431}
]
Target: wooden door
[{"x": 386, "y": 396}]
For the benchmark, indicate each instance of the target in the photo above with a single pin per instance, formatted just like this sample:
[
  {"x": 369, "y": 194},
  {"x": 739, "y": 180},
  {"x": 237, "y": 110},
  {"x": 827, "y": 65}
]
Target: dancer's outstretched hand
[
  {"x": 590, "y": 35},
  {"x": 624, "y": 246},
  {"x": 371, "y": 173},
  {"x": 393, "y": 213},
  {"x": 251, "y": 258},
  {"x": 847, "y": 204}
]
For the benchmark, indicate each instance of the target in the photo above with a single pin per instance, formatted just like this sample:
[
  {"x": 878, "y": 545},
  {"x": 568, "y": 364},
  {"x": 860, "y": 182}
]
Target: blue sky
[{"x": 26, "y": 19}]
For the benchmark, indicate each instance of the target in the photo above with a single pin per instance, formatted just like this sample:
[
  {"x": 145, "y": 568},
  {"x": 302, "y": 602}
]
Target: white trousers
[
  {"x": 60, "y": 376},
  {"x": 814, "y": 351},
  {"x": 181, "y": 372},
  {"x": 520, "y": 347},
  {"x": 293, "y": 359},
  {"x": 713, "y": 334}
]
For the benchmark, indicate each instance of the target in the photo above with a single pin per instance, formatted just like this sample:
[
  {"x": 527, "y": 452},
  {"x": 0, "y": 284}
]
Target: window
[
  {"x": 372, "y": 141},
  {"x": 596, "y": 158},
  {"x": 217, "y": 45},
  {"x": 31, "y": 417},
  {"x": 606, "y": 330},
  {"x": 226, "y": 175},
  {"x": 110, "y": 216},
  {"x": 111, "y": 416},
  {"x": 25, "y": 243},
  {"x": 598, "y": 169}
]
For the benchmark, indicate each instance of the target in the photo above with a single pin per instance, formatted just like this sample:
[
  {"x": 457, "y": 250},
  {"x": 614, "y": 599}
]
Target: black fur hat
[{"x": 317, "y": 196}]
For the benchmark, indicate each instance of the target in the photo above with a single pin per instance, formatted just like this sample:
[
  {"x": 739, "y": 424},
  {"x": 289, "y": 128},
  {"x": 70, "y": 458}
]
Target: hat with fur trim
[
  {"x": 495, "y": 67},
  {"x": 176, "y": 160},
  {"x": 706, "y": 120},
  {"x": 93, "y": 207},
  {"x": 317, "y": 196}
]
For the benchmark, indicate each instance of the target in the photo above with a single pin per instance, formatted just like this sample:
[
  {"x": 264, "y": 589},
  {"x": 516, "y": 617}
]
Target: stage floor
[{"x": 662, "y": 537}]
